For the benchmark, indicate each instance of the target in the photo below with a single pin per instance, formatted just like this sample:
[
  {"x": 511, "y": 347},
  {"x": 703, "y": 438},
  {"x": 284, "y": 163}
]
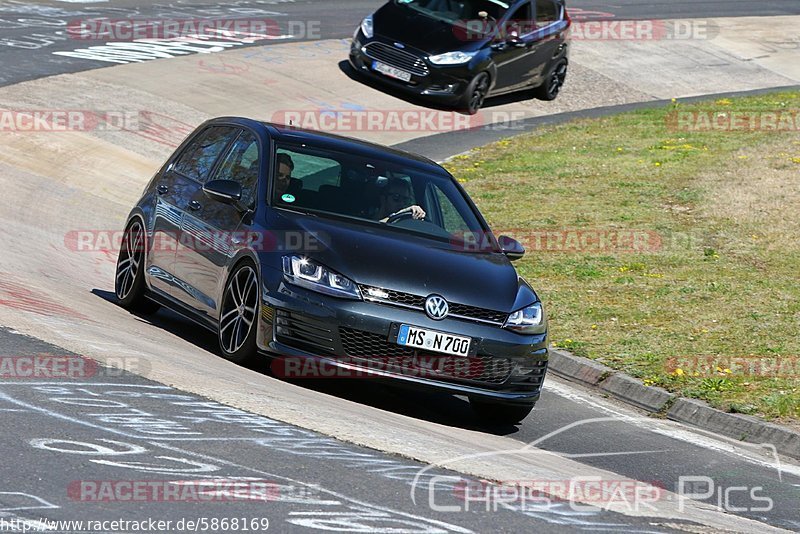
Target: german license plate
[
  {"x": 390, "y": 71},
  {"x": 431, "y": 340}
]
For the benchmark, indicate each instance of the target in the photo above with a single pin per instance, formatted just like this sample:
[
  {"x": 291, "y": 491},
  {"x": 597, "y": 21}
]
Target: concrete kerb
[{"x": 657, "y": 400}]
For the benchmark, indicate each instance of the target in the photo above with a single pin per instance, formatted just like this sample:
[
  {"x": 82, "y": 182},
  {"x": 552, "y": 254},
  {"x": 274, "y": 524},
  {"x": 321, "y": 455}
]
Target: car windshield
[
  {"x": 371, "y": 191},
  {"x": 456, "y": 10}
]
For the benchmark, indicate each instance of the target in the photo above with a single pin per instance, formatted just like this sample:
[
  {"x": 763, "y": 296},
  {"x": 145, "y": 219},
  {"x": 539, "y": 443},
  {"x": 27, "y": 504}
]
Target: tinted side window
[
  {"x": 451, "y": 219},
  {"x": 241, "y": 164},
  {"x": 519, "y": 22},
  {"x": 198, "y": 158},
  {"x": 309, "y": 179},
  {"x": 547, "y": 12}
]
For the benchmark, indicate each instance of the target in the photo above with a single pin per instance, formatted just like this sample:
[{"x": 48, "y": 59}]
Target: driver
[{"x": 397, "y": 198}]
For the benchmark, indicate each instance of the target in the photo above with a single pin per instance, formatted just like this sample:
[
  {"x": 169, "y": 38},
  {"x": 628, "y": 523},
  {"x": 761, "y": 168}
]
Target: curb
[{"x": 693, "y": 412}]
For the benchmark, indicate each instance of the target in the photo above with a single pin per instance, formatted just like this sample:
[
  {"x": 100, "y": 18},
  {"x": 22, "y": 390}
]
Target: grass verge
[{"x": 664, "y": 243}]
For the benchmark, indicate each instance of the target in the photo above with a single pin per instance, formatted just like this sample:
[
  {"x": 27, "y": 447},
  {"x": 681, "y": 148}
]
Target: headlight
[
  {"x": 366, "y": 26},
  {"x": 307, "y": 273},
  {"x": 452, "y": 58},
  {"x": 527, "y": 320}
]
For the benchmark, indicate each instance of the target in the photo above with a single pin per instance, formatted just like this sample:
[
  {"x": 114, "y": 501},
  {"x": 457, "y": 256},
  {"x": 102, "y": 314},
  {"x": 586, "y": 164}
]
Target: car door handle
[
  {"x": 194, "y": 205},
  {"x": 162, "y": 189}
]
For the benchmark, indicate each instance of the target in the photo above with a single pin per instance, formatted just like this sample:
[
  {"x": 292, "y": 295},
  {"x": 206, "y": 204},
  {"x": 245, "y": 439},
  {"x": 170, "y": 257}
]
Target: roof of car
[{"x": 293, "y": 134}]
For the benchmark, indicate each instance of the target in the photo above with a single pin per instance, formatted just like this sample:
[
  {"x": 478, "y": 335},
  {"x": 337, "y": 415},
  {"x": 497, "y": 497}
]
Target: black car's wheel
[
  {"x": 129, "y": 282},
  {"x": 476, "y": 93},
  {"x": 237, "y": 320},
  {"x": 550, "y": 89},
  {"x": 500, "y": 413}
]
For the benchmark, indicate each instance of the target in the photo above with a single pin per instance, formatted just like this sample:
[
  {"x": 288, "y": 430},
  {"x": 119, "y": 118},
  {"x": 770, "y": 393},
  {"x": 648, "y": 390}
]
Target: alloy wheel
[
  {"x": 556, "y": 81},
  {"x": 238, "y": 309},
  {"x": 130, "y": 260},
  {"x": 479, "y": 91}
]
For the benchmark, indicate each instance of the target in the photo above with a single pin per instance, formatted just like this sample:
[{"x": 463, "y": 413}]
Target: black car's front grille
[
  {"x": 380, "y": 354},
  {"x": 303, "y": 333},
  {"x": 409, "y": 300},
  {"x": 397, "y": 58},
  {"x": 478, "y": 313}
]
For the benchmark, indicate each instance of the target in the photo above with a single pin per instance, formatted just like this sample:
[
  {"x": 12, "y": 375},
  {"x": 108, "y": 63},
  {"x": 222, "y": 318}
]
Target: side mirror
[
  {"x": 225, "y": 191},
  {"x": 514, "y": 40},
  {"x": 512, "y": 248}
]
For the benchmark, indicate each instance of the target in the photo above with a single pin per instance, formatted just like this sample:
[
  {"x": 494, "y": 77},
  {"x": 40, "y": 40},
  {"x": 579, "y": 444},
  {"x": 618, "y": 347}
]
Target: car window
[
  {"x": 547, "y": 12},
  {"x": 455, "y": 11},
  {"x": 197, "y": 160},
  {"x": 451, "y": 220},
  {"x": 310, "y": 173},
  {"x": 241, "y": 164},
  {"x": 520, "y": 22},
  {"x": 370, "y": 190}
]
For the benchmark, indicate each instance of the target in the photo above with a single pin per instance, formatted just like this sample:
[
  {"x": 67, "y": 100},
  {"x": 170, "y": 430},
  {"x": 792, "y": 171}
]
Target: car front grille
[
  {"x": 379, "y": 354},
  {"x": 409, "y": 300},
  {"x": 397, "y": 58}
]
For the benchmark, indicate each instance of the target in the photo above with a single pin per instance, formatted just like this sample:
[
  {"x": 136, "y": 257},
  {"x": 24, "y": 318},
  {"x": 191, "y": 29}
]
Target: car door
[
  {"x": 218, "y": 229},
  {"x": 177, "y": 187},
  {"x": 548, "y": 36},
  {"x": 177, "y": 184},
  {"x": 514, "y": 58}
]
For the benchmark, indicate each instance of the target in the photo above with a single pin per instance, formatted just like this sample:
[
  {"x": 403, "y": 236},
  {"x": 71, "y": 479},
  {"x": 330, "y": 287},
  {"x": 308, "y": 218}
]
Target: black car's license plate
[
  {"x": 432, "y": 340},
  {"x": 393, "y": 72}
]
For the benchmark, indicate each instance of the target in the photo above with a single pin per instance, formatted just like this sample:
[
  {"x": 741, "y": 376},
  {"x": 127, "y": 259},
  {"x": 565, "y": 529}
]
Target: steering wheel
[{"x": 399, "y": 217}]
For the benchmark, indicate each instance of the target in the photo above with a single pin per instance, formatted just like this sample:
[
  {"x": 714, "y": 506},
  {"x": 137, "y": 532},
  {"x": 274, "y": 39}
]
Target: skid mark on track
[{"x": 17, "y": 296}]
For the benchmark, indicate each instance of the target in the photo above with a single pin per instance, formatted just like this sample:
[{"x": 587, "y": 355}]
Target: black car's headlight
[
  {"x": 367, "y": 27},
  {"x": 528, "y": 320},
  {"x": 307, "y": 273},
  {"x": 452, "y": 58}
]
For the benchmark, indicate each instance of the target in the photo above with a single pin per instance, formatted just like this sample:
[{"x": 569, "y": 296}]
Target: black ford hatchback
[
  {"x": 458, "y": 52},
  {"x": 338, "y": 257}
]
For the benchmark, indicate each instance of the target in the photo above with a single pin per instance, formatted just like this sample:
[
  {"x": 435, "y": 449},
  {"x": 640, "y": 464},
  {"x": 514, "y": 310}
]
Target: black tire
[
  {"x": 237, "y": 338},
  {"x": 475, "y": 94},
  {"x": 129, "y": 284},
  {"x": 500, "y": 413},
  {"x": 553, "y": 83}
]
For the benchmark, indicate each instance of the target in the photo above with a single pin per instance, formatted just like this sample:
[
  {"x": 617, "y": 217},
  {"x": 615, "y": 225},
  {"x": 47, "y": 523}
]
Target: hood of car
[
  {"x": 408, "y": 27},
  {"x": 377, "y": 256}
]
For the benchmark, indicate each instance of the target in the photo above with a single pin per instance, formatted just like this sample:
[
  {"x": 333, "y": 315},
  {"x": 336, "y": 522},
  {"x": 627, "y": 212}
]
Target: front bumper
[
  {"x": 358, "y": 338},
  {"x": 443, "y": 84}
]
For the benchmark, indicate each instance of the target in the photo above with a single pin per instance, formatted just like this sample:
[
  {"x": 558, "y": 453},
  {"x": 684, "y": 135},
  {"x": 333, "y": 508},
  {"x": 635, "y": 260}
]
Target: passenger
[{"x": 283, "y": 178}]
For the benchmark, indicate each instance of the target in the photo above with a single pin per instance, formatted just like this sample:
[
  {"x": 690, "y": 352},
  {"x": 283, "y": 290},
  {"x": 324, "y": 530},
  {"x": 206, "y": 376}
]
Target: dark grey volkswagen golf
[{"x": 336, "y": 257}]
